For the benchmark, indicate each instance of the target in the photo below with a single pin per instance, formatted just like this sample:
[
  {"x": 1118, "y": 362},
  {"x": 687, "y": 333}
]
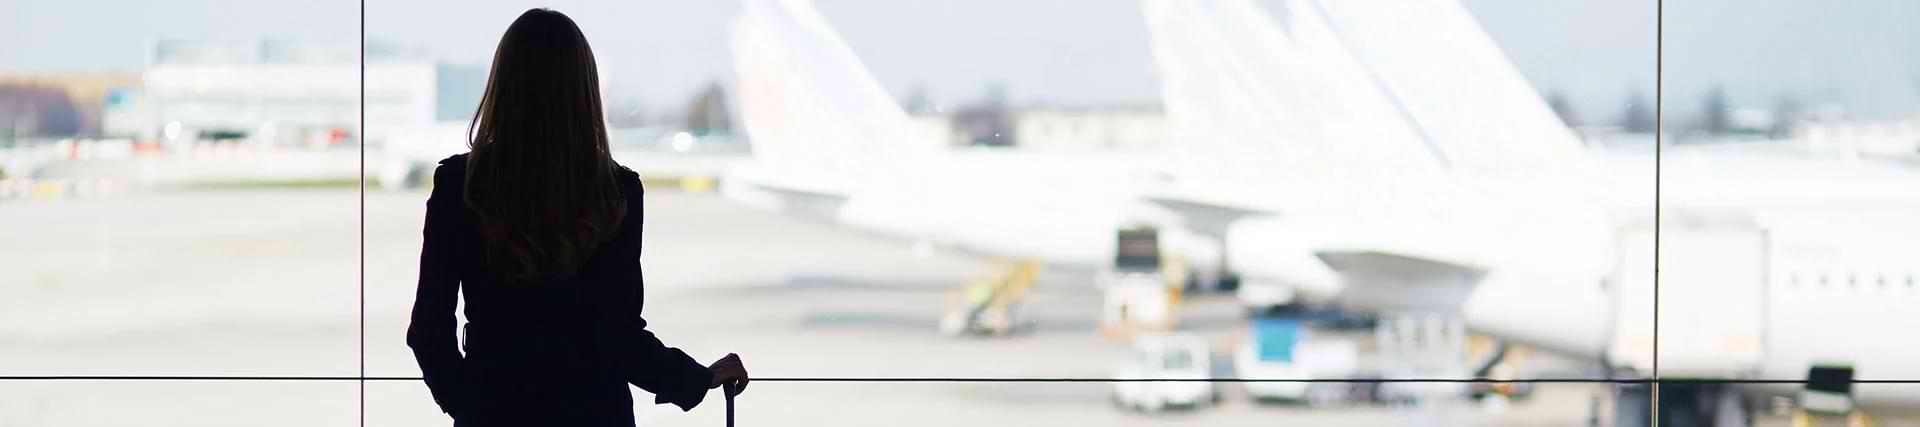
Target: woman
[{"x": 542, "y": 230}]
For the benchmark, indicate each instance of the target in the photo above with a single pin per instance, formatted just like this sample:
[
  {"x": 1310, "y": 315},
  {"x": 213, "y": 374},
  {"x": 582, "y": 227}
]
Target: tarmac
[{"x": 267, "y": 282}]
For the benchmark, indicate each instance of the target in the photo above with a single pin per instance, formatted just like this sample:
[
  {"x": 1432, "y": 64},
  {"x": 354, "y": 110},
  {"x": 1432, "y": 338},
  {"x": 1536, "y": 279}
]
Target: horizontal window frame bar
[{"x": 992, "y": 379}]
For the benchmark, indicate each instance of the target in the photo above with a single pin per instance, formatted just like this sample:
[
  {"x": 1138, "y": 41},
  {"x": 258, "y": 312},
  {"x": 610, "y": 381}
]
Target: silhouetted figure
[{"x": 542, "y": 230}]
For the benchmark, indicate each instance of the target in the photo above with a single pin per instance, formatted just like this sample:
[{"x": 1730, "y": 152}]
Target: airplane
[
  {"x": 1336, "y": 156},
  {"x": 829, "y": 142},
  {"x": 1529, "y": 237}
]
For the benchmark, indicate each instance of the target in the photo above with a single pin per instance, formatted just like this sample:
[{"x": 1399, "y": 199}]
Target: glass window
[
  {"x": 178, "y": 188},
  {"x": 178, "y": 403},
  {"x": 1405, "y": 215},
  {"x": 1777, "y": 171},
  {"x": 1787, "y": 193},
  {"x": 1474, "y": 212},
  {"x": 1786, "y": 202}
]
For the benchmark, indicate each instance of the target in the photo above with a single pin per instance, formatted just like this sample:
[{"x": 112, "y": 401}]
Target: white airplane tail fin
[
  {"x": 818, "y": 119},
  {"x": 1455, "y": 83},
  {"x": 1251, "y": 98},
  {"x": 1345, "y": 96}
]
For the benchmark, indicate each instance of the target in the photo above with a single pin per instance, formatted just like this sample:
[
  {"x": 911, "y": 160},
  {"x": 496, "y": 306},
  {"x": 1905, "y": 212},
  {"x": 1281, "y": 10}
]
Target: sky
[{"x": 1052, "y": 52}]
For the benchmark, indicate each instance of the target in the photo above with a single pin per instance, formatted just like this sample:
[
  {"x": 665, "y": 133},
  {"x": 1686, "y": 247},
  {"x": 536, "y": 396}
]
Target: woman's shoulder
[
  {"x": 452, "y": 170},
  {"x": 625, "y": 173},
  {"x": 628, "y": 179},
  {"x": 457, "y": 161}
]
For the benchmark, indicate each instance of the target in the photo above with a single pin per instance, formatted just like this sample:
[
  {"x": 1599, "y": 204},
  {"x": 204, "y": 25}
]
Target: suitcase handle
[{"x": 727, "y": 390}]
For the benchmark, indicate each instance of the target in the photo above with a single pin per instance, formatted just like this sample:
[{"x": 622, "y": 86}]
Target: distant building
[
  {"x": 457, "y": 90},
  {"x": 1050, "y": 128},
  {"x": 938, "y": 128},
  {"x": 986, "y": 126},
  {"x": 1894, "y": 137},
  {"x": 64, "y": 105},
  {"x": 277, "y": 92},
  {"x": 1090, "y": 128}
]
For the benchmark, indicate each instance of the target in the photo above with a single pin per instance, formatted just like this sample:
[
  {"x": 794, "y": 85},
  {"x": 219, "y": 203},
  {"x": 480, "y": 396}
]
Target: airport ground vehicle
[
  {"x": 1173, "y": 356},
  {"x": 1423, "y": 345},
  {"x": 990, "y": 307},
  {"x": 1139, "y": 295},
  {"x": 1283, "y": 349},
  {"x": 1727, "y": 257}
]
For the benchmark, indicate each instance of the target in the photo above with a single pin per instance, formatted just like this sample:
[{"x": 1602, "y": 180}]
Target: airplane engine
[
  {"x": 1571, "y": 315},
  {"x": 1277, "y": 252}
]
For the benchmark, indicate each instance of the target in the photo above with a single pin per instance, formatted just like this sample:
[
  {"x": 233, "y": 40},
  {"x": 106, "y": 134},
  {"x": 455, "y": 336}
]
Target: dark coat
[{"x": 551, "y": 354}]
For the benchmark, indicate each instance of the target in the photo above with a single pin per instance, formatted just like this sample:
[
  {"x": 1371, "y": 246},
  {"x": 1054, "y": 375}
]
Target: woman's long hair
[{"x": 539, "y": 176}]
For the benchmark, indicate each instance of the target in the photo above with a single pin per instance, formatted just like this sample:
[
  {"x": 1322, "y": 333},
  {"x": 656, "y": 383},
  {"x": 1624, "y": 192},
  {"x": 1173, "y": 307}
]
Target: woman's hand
[{"x": 729, "y": 372}]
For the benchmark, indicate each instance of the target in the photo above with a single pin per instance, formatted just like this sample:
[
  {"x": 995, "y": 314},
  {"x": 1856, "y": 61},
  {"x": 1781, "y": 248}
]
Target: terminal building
[
  {"x": 273, "y": 92},
  {"x": 1115, "y": 128},
  {"x": 1893, "y": 137},
  {"x": 59, "y": 105}
]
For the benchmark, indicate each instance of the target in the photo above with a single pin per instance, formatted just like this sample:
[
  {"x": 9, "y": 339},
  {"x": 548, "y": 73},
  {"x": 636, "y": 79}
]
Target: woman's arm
[
  {"x": 432, "y": 333},
  {"x": 670, "y": 374}
]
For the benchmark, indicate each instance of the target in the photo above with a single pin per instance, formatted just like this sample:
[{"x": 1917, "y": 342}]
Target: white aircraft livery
[
  {"x": 829, "y": 141},
  {"x": 1385, "y": 154},
  {"x": 1766, "y": 267}
]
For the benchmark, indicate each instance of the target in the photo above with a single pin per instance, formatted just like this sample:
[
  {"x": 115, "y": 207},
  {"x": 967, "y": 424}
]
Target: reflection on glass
[{"x": 176, "y": 183}]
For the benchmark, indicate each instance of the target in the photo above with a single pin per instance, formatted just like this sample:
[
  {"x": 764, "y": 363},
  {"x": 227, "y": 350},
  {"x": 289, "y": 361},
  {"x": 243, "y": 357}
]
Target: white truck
[
  {"x": 1711, "y": 299},
  {"x": 1138, "y": 294},
  {"x": 1175, "y": 357},
  {"x": 1284, "y": 349}
]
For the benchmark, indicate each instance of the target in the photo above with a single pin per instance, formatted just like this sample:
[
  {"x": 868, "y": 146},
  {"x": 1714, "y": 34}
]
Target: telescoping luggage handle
[{"x": 728, "y": 391}]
